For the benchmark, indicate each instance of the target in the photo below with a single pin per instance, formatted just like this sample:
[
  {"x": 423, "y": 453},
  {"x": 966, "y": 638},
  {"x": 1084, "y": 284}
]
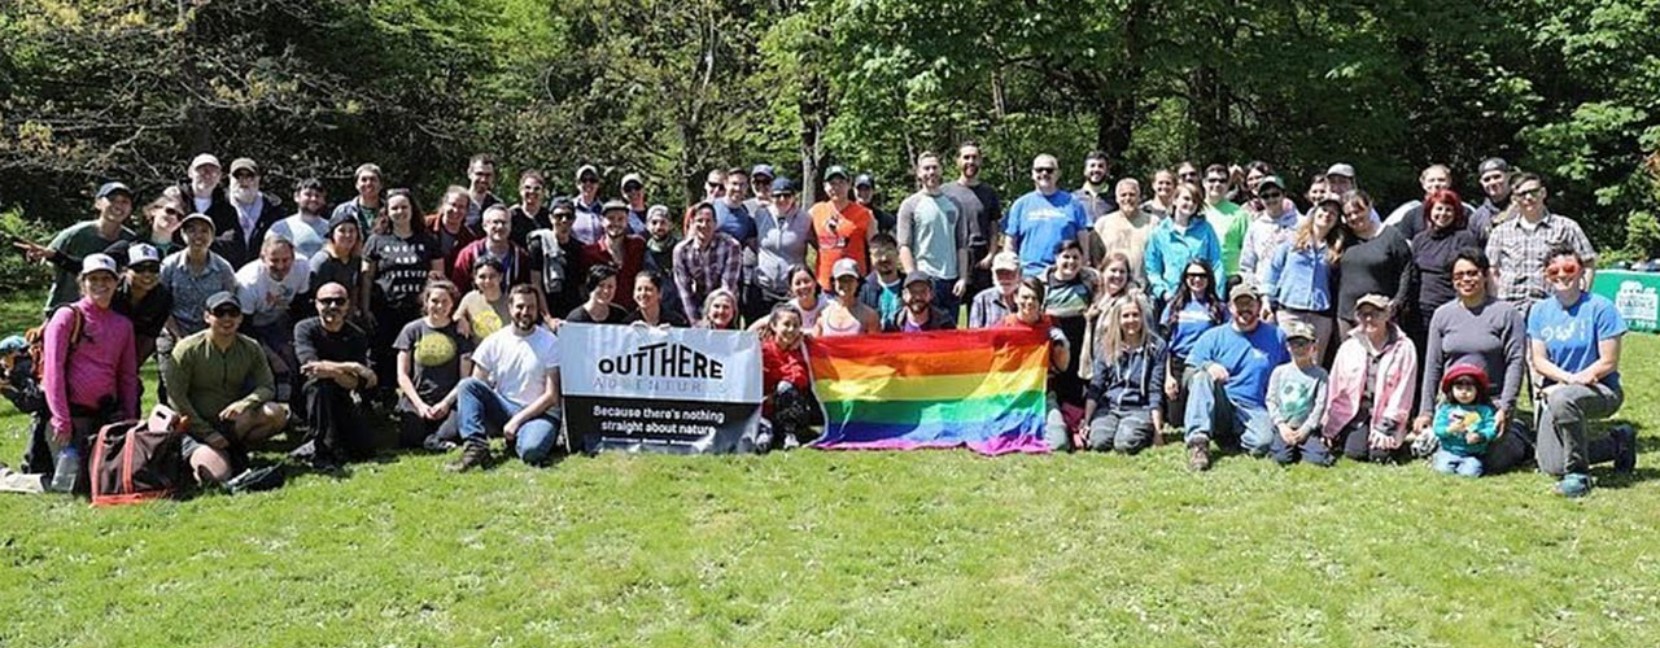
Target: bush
[{"x": 17, "y": 275}]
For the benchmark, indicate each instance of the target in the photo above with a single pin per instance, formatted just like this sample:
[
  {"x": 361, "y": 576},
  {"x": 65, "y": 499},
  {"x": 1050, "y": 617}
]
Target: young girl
[
  {"x": 484, "y": 309},
  {"x": 788, "y": 410},
  {"x": 1464, "y": 421},
  {"x": 433, "y": 357},
  {"x": 1124, "y": 396},
  {"x": 1297, "y": 401}
]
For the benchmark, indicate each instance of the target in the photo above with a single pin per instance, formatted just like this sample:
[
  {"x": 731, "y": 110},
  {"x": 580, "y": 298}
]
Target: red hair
[{"x": 1450, "y": 198}]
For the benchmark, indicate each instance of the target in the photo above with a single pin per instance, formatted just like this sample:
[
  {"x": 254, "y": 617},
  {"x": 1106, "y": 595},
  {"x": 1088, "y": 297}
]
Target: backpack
[
  {"x": 138, "y": 461},
  {"x": 36, "y": 338}
]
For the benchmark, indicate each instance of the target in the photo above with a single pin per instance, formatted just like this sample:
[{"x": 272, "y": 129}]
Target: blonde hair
[
  {"x": 1304, "y": 238},
  {"x": 1113, "y": 340}
]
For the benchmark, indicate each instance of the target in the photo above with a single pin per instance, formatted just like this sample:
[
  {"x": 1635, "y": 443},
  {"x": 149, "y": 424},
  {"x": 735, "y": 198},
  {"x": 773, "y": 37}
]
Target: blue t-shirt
[
  {"x": 1040, "y": 223},
  {"x": 734, "y": 221},
  {"x": 1191, "y": 322},
  {"x": 1571, "y": 334},
  {"x": 1250, "y": 359}
]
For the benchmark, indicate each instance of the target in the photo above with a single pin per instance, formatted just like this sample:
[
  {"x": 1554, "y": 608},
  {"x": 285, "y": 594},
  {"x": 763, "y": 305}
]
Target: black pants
[
  {"x": 337, "y": 426},
  {"x": 1357, "y": 444},
  {"x": 413, "y": 431},
  {"x": 389, "y": 322}
]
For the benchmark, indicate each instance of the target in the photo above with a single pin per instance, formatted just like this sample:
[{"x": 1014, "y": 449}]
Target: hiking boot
[
  {"x": 1574, "y": 485},
  {"x": 474, "y": 455},
  {"x": 1198, "y": 455},
  {"x": 1625, "y": 449}
]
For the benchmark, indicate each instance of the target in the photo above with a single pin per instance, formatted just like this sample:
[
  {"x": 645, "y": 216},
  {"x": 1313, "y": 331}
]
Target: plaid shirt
[
  {"x": 698, "y": 271},
  {"x": 1519, "y": 254}
]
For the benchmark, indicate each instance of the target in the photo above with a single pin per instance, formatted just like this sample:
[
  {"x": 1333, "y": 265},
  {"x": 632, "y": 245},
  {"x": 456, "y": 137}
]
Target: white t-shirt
[
  {"x": 517, "y": 365},
  {"x": 308, "y": 235},
  {"x": 264, "y": 300}
]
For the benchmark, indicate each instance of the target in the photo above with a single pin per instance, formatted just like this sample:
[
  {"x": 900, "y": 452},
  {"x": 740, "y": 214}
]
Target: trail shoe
[
  {"x": 1625, "y": 449},
  {"x": 473, "y": 455},
  {"x": 1574, "y": 485},
  {"x": 1198, "y": 455}
]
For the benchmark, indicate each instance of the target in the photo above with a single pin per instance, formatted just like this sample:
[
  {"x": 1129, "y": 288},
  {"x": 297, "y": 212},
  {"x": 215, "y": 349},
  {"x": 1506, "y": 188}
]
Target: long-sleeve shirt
[
  {"x": 1299, "y": 278},
  {"x": 1481, "y": 419},
  {"x": 1491, "y": 336},
  {"x": 102, "y": 364},
  {"x": 1134, "y": 380},
  {"x": 204, "y": 379},
  {"x": 1297, "y": 397},
  {"x": 701, "y": 268},
  {"x": 1380, "y": 265},
  {"x": 1519, "y": 251},
  {"x": 1171, "y": 247},
  {"x": 1433, "y": 252},
  {"x": 1264, "y": 235}
]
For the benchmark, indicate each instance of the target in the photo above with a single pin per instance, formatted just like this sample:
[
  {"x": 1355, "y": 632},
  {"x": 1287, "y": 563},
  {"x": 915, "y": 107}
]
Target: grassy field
[{"x": 851, "y": 549}]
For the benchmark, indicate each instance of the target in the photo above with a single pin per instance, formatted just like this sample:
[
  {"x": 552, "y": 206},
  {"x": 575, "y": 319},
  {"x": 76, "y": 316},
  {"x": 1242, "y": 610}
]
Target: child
[
  {"x": 1123, "y": 409},
  {"x": 1297, "y": 402},
  {"x": 1464, "y": 421},
  {"x": 787, "y": 411}
]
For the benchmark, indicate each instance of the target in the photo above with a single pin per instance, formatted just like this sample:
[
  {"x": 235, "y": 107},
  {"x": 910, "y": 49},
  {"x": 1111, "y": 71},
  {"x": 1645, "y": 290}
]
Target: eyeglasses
[
  {"x": 1299, "y": 342},
  {"x": 172, "y": 212},
  {"x": 564, "y": 216},
  {"x": 1369, "y": 313},
  {"x": 227, "y": 312},
  {"x": 1043, "y": 170},
  {"x": 1271, "y": 195},
  {"x": 332, "y": 301},
  {"x": 1216, "y": 180}
]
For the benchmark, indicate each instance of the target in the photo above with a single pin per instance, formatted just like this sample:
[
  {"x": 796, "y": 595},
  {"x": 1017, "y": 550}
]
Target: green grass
[{"x": 851, "y": 549}]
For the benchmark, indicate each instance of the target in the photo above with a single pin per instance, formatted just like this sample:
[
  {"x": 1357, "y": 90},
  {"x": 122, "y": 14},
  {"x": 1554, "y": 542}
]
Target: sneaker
[
  {"x": 1198, "y": 455},
  {"x": 791, "y": 442},
  {"x": 1574, "y": 485},
  {"x": 1625, "y": 449},
  {"x": 475, "y": 455},
  {"x": 435, "y": 444}
]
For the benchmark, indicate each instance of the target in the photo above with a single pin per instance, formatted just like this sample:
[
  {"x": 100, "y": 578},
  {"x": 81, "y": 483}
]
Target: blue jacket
[
  {"x": 1169, "y": 251},
  {"x": 1299, "y": 279}
]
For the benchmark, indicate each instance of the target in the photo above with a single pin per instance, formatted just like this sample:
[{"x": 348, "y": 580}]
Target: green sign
[{"x": 1636, "y": 295}]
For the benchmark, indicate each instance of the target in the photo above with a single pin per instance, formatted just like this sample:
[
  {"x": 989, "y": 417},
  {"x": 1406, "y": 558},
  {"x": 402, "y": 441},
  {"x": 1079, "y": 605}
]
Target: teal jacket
[{"x": 1486, "y": 425}]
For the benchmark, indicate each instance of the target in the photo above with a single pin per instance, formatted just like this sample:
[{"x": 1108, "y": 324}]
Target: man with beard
[
  {"x": 919, "y": 313},
  {"x": 254, "y": 214},
  {"x": 555, "y": 260},
  {"x": 219, "y": 381},
  {"x": 496, "y": 245},
  {"x": 514, "y": 388},
  {"x": 706, "y": 261},
  {"x": 334, "y": 357},
  {"x": 366, "y": 205},
  {"x": 481, "y": 179},
  {"x": 266, "y": 288},
  {"x": 982, "y": 208},
  {"x": 1092, "y": 194},
  {"x": 1228, "y": 391},
  {"x": 201, "y": 194},
  {"x": 618, "y": 248},
  {"x": 933, "y": 236},
  {"x": 70, "y": 247},
  {"x": 994, "y": 304},
  {"x": 308, "y": 228},
  {"x": 1495, "y": 182}
]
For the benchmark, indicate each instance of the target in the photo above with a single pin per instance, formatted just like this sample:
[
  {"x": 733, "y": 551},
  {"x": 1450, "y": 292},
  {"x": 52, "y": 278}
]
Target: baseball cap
[
  {"x": 762, "y": 170},
  {"x": 13, "y": 344},
  {"x": 654, "y": 210},
  {"x": 844, "y": 268},
  {"x": 1490, "y": 165},
  {"x": 97, "y": 263},
  {"x": 1005, "y": 260},
  {"x": 203, "y": 159},
  {"x": 340, "y": 220},
  {"x": 1302, "y": 330},
  {"x": 613, "y": 205},
  {"x": 1374, "y": 300},
  {"x": 142, "y": 253},
  {"x": 223, "y": 298},
  {"x": 1341, "y": 169},
  {"x": 917, "y": 276},
  {"x": 837, "y": 170},
  {"x": 109, "y": 188},
  {"x": 562, "y": 206},
  {"x": 1273, "y": 181},
  {"x": 586, "y": 169},
  {"x": 1243, "y": 290},
  {"x": 632, "y": 178},
  {"x": 244, "y": 164},
  {"x": 783, "y": 186},
  {"x": 864, "y": 180},
  {"x": 199, "y": 216}
]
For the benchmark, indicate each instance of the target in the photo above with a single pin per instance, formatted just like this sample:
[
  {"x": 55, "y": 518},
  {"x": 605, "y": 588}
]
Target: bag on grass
[{"x": 138, "y": 461}]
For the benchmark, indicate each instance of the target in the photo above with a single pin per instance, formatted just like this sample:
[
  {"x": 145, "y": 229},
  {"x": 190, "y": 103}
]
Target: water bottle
[{"x": 68, "y": 470}]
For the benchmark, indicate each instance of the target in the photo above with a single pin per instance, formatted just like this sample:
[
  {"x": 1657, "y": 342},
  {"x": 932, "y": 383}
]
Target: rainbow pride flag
[{"x": 983, "y": 389}]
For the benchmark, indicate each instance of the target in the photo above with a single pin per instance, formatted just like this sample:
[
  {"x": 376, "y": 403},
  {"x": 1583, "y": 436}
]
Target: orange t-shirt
[{"x": 850, "y": 239}]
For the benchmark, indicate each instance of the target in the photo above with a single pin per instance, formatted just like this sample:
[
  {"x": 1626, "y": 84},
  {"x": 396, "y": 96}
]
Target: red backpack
[{"x": 138, "y": 461}]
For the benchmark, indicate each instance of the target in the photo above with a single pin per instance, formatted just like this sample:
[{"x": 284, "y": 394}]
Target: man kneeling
[
  {"x": 514, "y": 386},
  {"x": 1228, "y": 388},
  {"x": 219, "y": 379}
]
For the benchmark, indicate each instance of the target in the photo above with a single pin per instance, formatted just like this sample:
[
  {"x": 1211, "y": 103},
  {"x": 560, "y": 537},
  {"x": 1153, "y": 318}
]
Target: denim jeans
[
  {"x": 1128, "y": 431},
  {"x": 1448, "y": 463},
  {"x": 1312, "y": 450},
  {"x": 482, "y": 410},
  {"x": 1211, "y": 415}
]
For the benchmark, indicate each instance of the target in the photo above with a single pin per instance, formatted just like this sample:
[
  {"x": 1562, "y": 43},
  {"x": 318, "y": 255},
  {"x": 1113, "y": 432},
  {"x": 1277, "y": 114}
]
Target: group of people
[{"x": 1219, "y": 304}]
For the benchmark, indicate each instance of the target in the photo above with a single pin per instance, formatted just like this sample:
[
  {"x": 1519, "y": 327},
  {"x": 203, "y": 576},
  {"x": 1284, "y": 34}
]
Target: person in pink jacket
[
  {"x": 1372, "y": 384},
  {"x": 91, "y": 368}
]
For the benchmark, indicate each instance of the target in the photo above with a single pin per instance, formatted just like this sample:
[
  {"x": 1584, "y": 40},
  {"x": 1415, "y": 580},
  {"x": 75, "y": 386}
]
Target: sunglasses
[
  {"x": 1271, "y": 195},
  {"x": 1531, "y": 193},
  {"x": 1299, "y": 342},
  {"x": 1562, "y": 269},
  {"x": 227, "y": 312},
  {"x": 564, "y": 216},
  {"x": 172, "y": 212},
  {"x": 589, "y": 180},
  {"x": 332, "y": 301},
  {"x": 1216, "y": 180},
  {"x": 147, "y": 268},
  {"x": 1043, "y": 170}
]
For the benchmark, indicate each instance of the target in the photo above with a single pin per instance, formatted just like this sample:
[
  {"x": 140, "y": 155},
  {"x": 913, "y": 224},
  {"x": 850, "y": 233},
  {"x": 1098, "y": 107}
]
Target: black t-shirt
[
  {"x": 521, "y": 223},
  {"x": 401, "y": 268},
  {"x": 148, "y": 315},
  {"x": 325, "y": 268},
  {"x": 664, "y": 316},
  {"x": 1382, "y": 265},
  {"x": 312, "y": 342},
  {"x": 435, "y": 359},
  {"x": 613, "y": 315},
  {"x": 562, "y": 280},
  {"x": 982, "y": 207}
]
